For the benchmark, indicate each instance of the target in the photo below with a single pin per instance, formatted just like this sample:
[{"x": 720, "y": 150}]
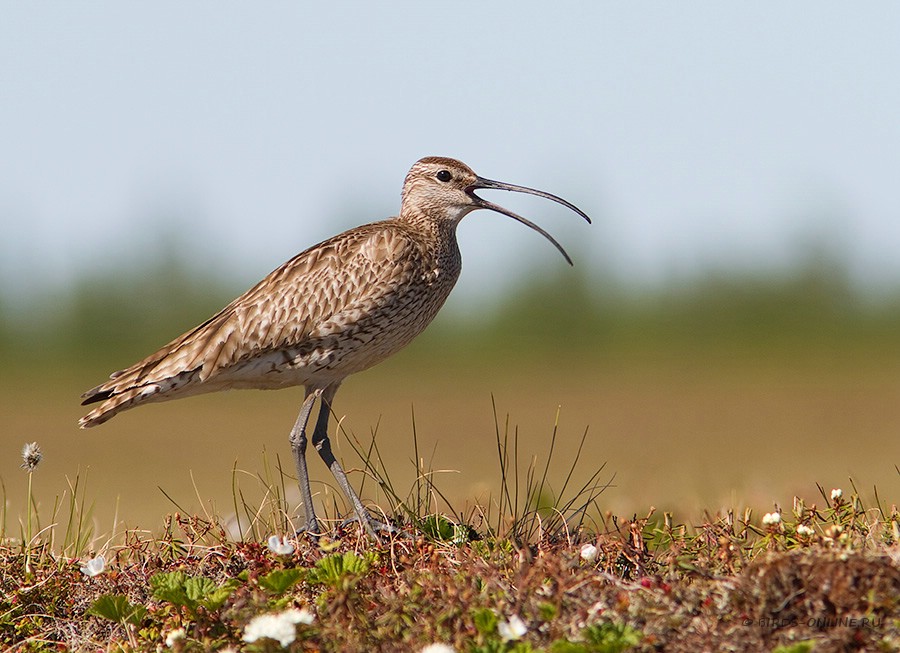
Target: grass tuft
[{"x": 540, "y": 568}]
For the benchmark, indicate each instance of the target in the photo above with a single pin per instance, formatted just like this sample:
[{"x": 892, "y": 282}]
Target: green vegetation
[
  {"x": 808, "y": 309},
  {"x": 540, "y": 564},
  {"x": 724, "y": 583},
  {"x": 107, "y": 316},
  {"x": 816, "y": 575},
  {"x": 811, "y": 309}
]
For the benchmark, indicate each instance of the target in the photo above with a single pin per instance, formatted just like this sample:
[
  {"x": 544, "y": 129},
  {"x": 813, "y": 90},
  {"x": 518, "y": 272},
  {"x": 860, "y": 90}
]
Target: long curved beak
[{"x": 481, "y": 182}]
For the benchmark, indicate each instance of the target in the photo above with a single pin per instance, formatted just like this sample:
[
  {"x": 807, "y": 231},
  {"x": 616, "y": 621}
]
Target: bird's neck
[
  {"x": 437, "y": 233},
  {"x": 440, "y": 223}
]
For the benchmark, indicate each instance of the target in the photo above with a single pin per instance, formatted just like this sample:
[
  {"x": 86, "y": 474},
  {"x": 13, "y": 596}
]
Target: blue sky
[{"x": 696, "y": 134}]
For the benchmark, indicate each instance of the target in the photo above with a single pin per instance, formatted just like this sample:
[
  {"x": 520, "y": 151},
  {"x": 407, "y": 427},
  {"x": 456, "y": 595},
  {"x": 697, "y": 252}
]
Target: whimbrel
[{"x": 335, "y": 309}]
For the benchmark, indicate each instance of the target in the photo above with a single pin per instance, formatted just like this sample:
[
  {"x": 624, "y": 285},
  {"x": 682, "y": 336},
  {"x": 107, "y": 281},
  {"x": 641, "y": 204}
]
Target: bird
[{"x": 333, "y": 310}]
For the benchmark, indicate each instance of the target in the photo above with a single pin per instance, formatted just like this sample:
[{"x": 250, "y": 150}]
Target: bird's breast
[{"x": 387, "y": 295}]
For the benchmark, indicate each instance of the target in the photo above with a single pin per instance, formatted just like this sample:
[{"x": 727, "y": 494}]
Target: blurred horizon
[{"x": 139, "y": 305}]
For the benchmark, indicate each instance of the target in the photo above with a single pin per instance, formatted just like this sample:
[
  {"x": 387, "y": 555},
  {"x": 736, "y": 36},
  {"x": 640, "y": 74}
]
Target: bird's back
[{"x": 337, "y": 308}]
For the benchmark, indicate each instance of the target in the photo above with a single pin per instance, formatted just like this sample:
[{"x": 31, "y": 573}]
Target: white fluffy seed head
[{"x": 31, "y": 456}]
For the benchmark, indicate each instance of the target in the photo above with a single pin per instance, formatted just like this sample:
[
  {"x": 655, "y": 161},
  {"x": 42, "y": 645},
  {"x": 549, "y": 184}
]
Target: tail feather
[
  {"x": 94, "y": 395},
  {"x": 112, "y": 404},
  {"x": 151, "y": 379},
  {"x": 126, "y": 391}
]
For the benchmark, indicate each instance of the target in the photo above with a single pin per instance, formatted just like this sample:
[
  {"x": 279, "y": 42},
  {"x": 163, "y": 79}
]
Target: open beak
[{"x": 480, "y": 183}]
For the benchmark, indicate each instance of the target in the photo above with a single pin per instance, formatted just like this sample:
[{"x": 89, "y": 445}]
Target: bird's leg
[
  {"x": 323, "y": 446},
  {"x": 298, "y": 448}
]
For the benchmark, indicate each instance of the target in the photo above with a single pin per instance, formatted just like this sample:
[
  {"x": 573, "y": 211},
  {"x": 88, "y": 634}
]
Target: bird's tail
[
  {"x": 113, "y": 403},
  {"x": 130, "y": 388}
]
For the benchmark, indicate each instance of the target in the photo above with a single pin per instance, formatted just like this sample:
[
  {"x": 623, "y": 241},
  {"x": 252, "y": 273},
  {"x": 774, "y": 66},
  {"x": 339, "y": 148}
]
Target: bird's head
[{"x": 442, "y": 189}]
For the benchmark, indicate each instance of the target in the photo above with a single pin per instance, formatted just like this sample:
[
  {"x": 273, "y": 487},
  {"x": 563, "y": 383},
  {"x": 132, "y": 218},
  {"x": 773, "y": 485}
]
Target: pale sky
[{"x": 695, "y": 133}]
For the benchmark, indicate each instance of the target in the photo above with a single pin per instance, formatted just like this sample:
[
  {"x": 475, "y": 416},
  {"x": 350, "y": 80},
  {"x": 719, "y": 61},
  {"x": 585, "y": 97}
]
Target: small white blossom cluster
[
  {"x": 94, "y": 567},
  {"x": 771, "y": 519},
  {"x": 804, "y": 530},
  {"x": 280, "y": 546},
  {"x": 281, "y": 626},
  {"x": 174, "y": 636},
  {"x": 589, "y": 552},
  {"x": 837, "y": 494},
  {"x": 512, "y": 629},
  {"x": 438, "y": 648}
]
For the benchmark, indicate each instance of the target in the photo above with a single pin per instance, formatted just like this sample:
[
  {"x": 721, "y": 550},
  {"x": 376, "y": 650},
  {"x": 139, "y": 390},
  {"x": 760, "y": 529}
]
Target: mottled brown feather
[{"x": 339, "y": 288}]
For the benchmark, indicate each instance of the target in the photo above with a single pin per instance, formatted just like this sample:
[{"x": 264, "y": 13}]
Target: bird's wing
[{"x": 319, "y": 291}]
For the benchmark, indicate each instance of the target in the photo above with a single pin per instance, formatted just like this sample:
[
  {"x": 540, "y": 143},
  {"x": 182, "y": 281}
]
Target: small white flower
[
  {"x": 282, "y": 627},
  {"x": 31, "y": 456},
  {"x": 438, "y": 648},
  {"x": 94, "y": 566},
  {"x": 771, "y": 519},
  {"x": 512, "y": 629},
  {"x": 301, "y": 616},
  {"x": 804, "y": 530},
  {"x": 589, "y": 552},
  {"x": 174, "y": 636},
  {"x": 836, "y": 494},
  {"x": 280, "y": 546}
]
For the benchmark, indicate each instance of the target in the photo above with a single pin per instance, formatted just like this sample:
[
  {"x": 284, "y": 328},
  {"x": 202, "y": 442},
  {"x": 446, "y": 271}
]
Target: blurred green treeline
[{"x": 811, "y": 308}]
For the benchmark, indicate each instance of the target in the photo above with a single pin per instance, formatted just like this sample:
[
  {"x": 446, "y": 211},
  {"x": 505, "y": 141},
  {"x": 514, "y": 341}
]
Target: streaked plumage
[
  {"x": 317, "y": 318},
  {"x": 335, "y": 309}
]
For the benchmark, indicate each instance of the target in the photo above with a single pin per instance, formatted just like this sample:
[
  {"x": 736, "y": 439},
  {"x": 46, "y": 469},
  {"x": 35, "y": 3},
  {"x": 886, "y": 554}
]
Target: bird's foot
[
  {"x": 371, "y": 526},
  {"x": 312, "y": 529}
]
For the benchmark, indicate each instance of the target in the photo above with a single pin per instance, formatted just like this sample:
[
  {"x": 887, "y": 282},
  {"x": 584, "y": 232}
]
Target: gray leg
[
  {"x": 323, "y": 446},
  {"x": 298, "y": 448}
]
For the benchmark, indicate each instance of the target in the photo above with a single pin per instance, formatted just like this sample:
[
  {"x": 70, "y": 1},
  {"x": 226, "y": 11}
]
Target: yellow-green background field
[{"x": 714, "y": 395}]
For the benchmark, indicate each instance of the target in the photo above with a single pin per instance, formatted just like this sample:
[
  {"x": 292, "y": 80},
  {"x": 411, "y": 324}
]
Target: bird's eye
[{"x": 444, "y": 175}]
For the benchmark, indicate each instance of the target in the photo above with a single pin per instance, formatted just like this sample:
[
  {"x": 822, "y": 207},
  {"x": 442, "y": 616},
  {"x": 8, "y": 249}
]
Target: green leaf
[
  {"x": 485, "y": 621},
  {"x": 565, "y": 646},
  {"x": 800, "y": 647},
  {"x": 169, "y": 580},
  {"x": 339, "y": 569},
  {"x": 547, "y": 611},
  {"x": 438, "y": 527},
  {"x": 216, "y": 599},
  {"x": 611, "y": 638},
  {"x": 198, "y": 587},
  {"x": 170, "y": 586},
  {"x": 281, "y": 580},
  {"x": 189, "y": 592},
  {"x": 519, "y": 647},
  {"x": 118, "y": 608}
]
